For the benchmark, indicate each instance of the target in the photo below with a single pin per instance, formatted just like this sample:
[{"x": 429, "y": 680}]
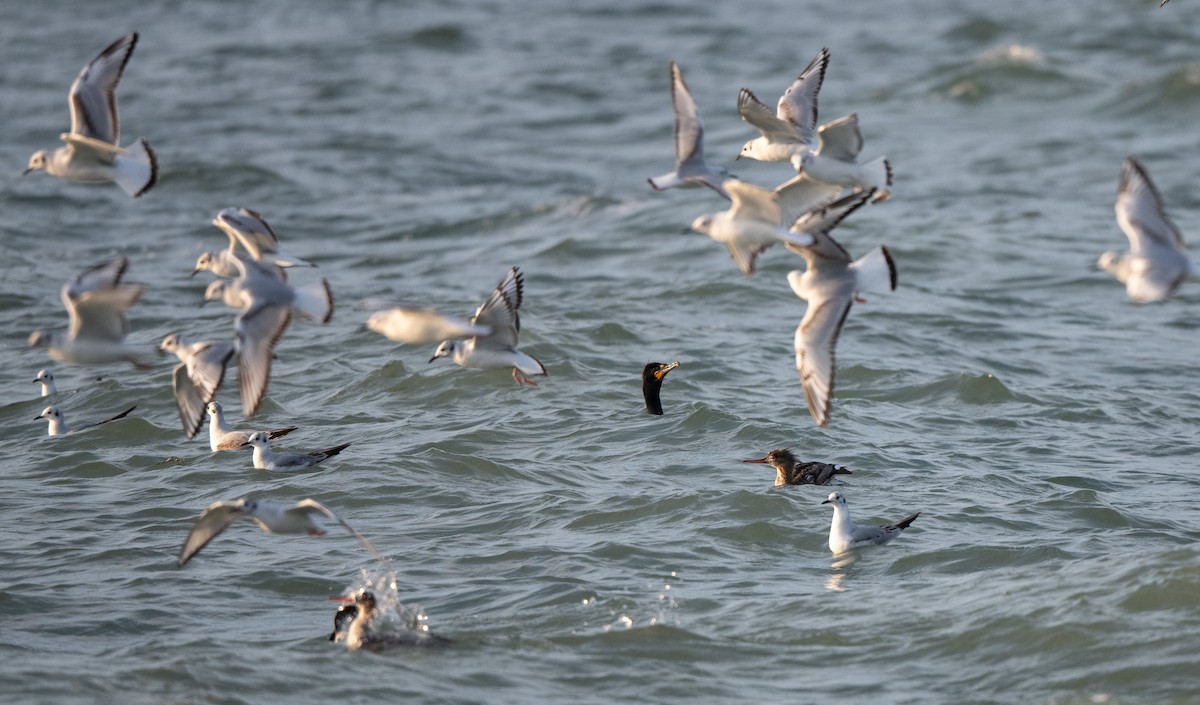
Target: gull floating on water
[
  {"x": 844, "y": 534},
  {"x": 267, "y": 459},
  {"x": 791, "y": 130},
  {"x": 690, "y": 168},
  {"x": 497, "y": 350},
  {"x": 221, "y": 436},
  {"x": 197, "y": 377},
  {"x": 653, "y": 375},
  {"x": 355, "y": 624},
  {"x": 303, "y": 517},
  {"x": 1157, "y": 261},
  {"x": 93, "y": 149},
  {"x": 265, "y": 306},
  {"x": 96, "y": 302},
  {"x": 835, "y": 161},
  {"x": 789, "y": 470},
  {"x": 47, "y": 381},
  {"x": 830, "y": 285},
  {"x": 750, "y": 226},
  {"x": 58, "y": 423},
  {"x": 414, "y": 324}
]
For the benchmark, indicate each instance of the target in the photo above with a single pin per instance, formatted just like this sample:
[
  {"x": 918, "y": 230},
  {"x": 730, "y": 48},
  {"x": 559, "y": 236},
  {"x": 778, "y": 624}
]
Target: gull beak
[
  {"x": 37, "y": 418},
  {"x": 760, "y": 461},
  {"x": 26, "y": 172},
  {"x": 244, "y": 444},
  {"x": 194, "y": 273},
  {"x": 826, "y": 502},
  {"x": 432, "y": 359},
  {"x": 36, "y": 381}
]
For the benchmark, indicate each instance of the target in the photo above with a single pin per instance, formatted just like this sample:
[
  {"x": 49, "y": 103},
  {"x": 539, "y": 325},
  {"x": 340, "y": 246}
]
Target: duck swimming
[{"x": 791, "y": 471}]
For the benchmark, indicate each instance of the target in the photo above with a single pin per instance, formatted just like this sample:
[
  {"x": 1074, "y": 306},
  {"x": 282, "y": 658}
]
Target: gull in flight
[
  {"x": 835, "y": 161},
  {"x": 750, "y": 226},
  {"x": 690, "y": 168},
  {"x": 221, "y": 436},
  {"x": 46, "y": 379},
  {"x": 791, "y": 130},
  {"x": 414, "y": 324},
  {"x": 790, "y": 470},
  {"x": 96, "y": 302},
  {"x": 93, "y": 149},
  {"x": 653, "y": 375},
  {"x": 249, "y": 233},
  {"x": 303, "y": 517},
  {"x": 498, "y": 349},
  {"x": 265, "y": 306},
  {"x": 58, "y": 422},
  {"x": 1157, "y": 261},
  {"x": 267, "y": 459},
  {"x": 197, "y": 377},
  {"x": 844, "y": 534},
  {"x": 830, "y": 285}
]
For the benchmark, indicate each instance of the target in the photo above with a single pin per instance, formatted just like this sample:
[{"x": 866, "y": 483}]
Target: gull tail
[
  {"x": 137, "y": 169},
  {"x": 283, "y": 259},
  {"x": 878, "y": 175},
  {"x": 315, "y": 301},
  {"x": 876, "y": 271}
]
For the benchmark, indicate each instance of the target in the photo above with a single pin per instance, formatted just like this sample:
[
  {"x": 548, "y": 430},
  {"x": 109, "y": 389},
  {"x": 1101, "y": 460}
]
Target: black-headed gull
[
  {"x": 221, "y": 436},
  {"x": 790, "y": 130},
  {"x": 844, "y": 534},
  {"x": 267, "y": 459},
  {"x": 750, "y": 225},
  {"x": 1157, "y": 261},
  {"x": 58, "y": 423},
  {"x": 690, "y": 168},
  {"x": 93, "y": 149},
  {"x": 497, "y": 350},
  {"x": 197, "y": 377}
]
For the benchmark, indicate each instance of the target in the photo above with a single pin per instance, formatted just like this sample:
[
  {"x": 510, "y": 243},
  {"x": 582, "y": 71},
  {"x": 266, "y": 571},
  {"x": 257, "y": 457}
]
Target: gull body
[
  {"x": 250, "y": 232},
  {"x": 58, "y": 423},
  {"x": 304, "y": 517},
  {"x": 413, "y": 324},
  {"x": 96, "y": 303},
  {"x": 750, "y": 226},
  {"x": 690, "y": 168},
  {"x": 46, "y": 379},
  {"x": 1157, "y": 261},
  {"x": 835, "y": 160},
  {"x": 497, "y": 350},
  {"x": 197, "y": 377},
  {"x": 653, "y": 375},
  {"x": 265, "y": 305},
  {"x": 790, "y": 470},
  {"x": 790, "y": 131},
  {"x": 93, "y": 151},
  {"x": 844, "y": 534},
  {"x": 830, "y": 285},
  {"x": 267, "y": 459},
  {"x": 221, "y": 436}
]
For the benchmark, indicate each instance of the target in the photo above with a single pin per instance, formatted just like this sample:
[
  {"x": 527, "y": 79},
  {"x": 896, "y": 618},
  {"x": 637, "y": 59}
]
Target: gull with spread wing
[
  {"x": 690, "y": 168},
  {"x": 791, "y": 130},
  {"x": 197, "y": 377},
  {"x": 93, "y": 151},
  {"x": 750, "y": 226}
]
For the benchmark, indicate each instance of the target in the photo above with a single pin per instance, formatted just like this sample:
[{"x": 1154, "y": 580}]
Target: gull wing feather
[
  {"x": 1140, "y": 212},
  {"x": 258, "y": 330},
  {"x": 815, "y": 343},
  {"x": 840, "y": 139},
  {"x": 818, "y": 223},
  {"x": 101, "y": 314},
  {"x": 93, "y": 95},
  {"x": 248, "y": 229},
  {"x": 308, "y": 507},
  {"x": 752, "y": 202},
  {"x": 800, "y": 194},
  {"x": 211, "y": 523},
  {"x": 758, "y": 114},
  {"x": 689, "y": 130},
  {"x": 798, "y": 104},
  {"x": 500, "y": 312}
]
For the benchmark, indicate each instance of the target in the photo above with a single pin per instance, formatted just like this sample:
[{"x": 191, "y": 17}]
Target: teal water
[{"x": 571, "y": 546}]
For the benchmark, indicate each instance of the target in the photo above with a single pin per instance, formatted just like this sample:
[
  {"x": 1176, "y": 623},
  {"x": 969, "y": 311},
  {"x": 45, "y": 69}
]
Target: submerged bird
[
  {"x": 690, "y": 168},
  {"x": 1157, "y": 261},
  {"x": 96, "y": 302},
  {"x": 789, "y": 470},
  {"x": 790, "y": 131},
  {"x": 47, "y": 381},
  {"x": 652, "y": 378},
  {"x": 830, "y": 285},
  {"x": 265, "y": 306},
  {"x": 58, "y": 423},
  {"x": 498, "y": 349},
  {"x": 197, "y": 377},
  {"x": 844, "y": 534},
  {"x": 303, "y": 517},
  {"x": 267, "y": 459},
  {"x": 355, "y": 624},
  {"x": 414, "y": 324},
  {"x": 750, "y": 226},
  {"x": 93, "y": 149},
  {"x": 221, "y": 436},
  {"x": 835, "y": 160}
]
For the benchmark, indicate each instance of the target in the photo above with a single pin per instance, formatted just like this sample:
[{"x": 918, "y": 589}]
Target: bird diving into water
[
  {"x": 652, "y": 379},
  {"x": 357, "y": 624}
]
